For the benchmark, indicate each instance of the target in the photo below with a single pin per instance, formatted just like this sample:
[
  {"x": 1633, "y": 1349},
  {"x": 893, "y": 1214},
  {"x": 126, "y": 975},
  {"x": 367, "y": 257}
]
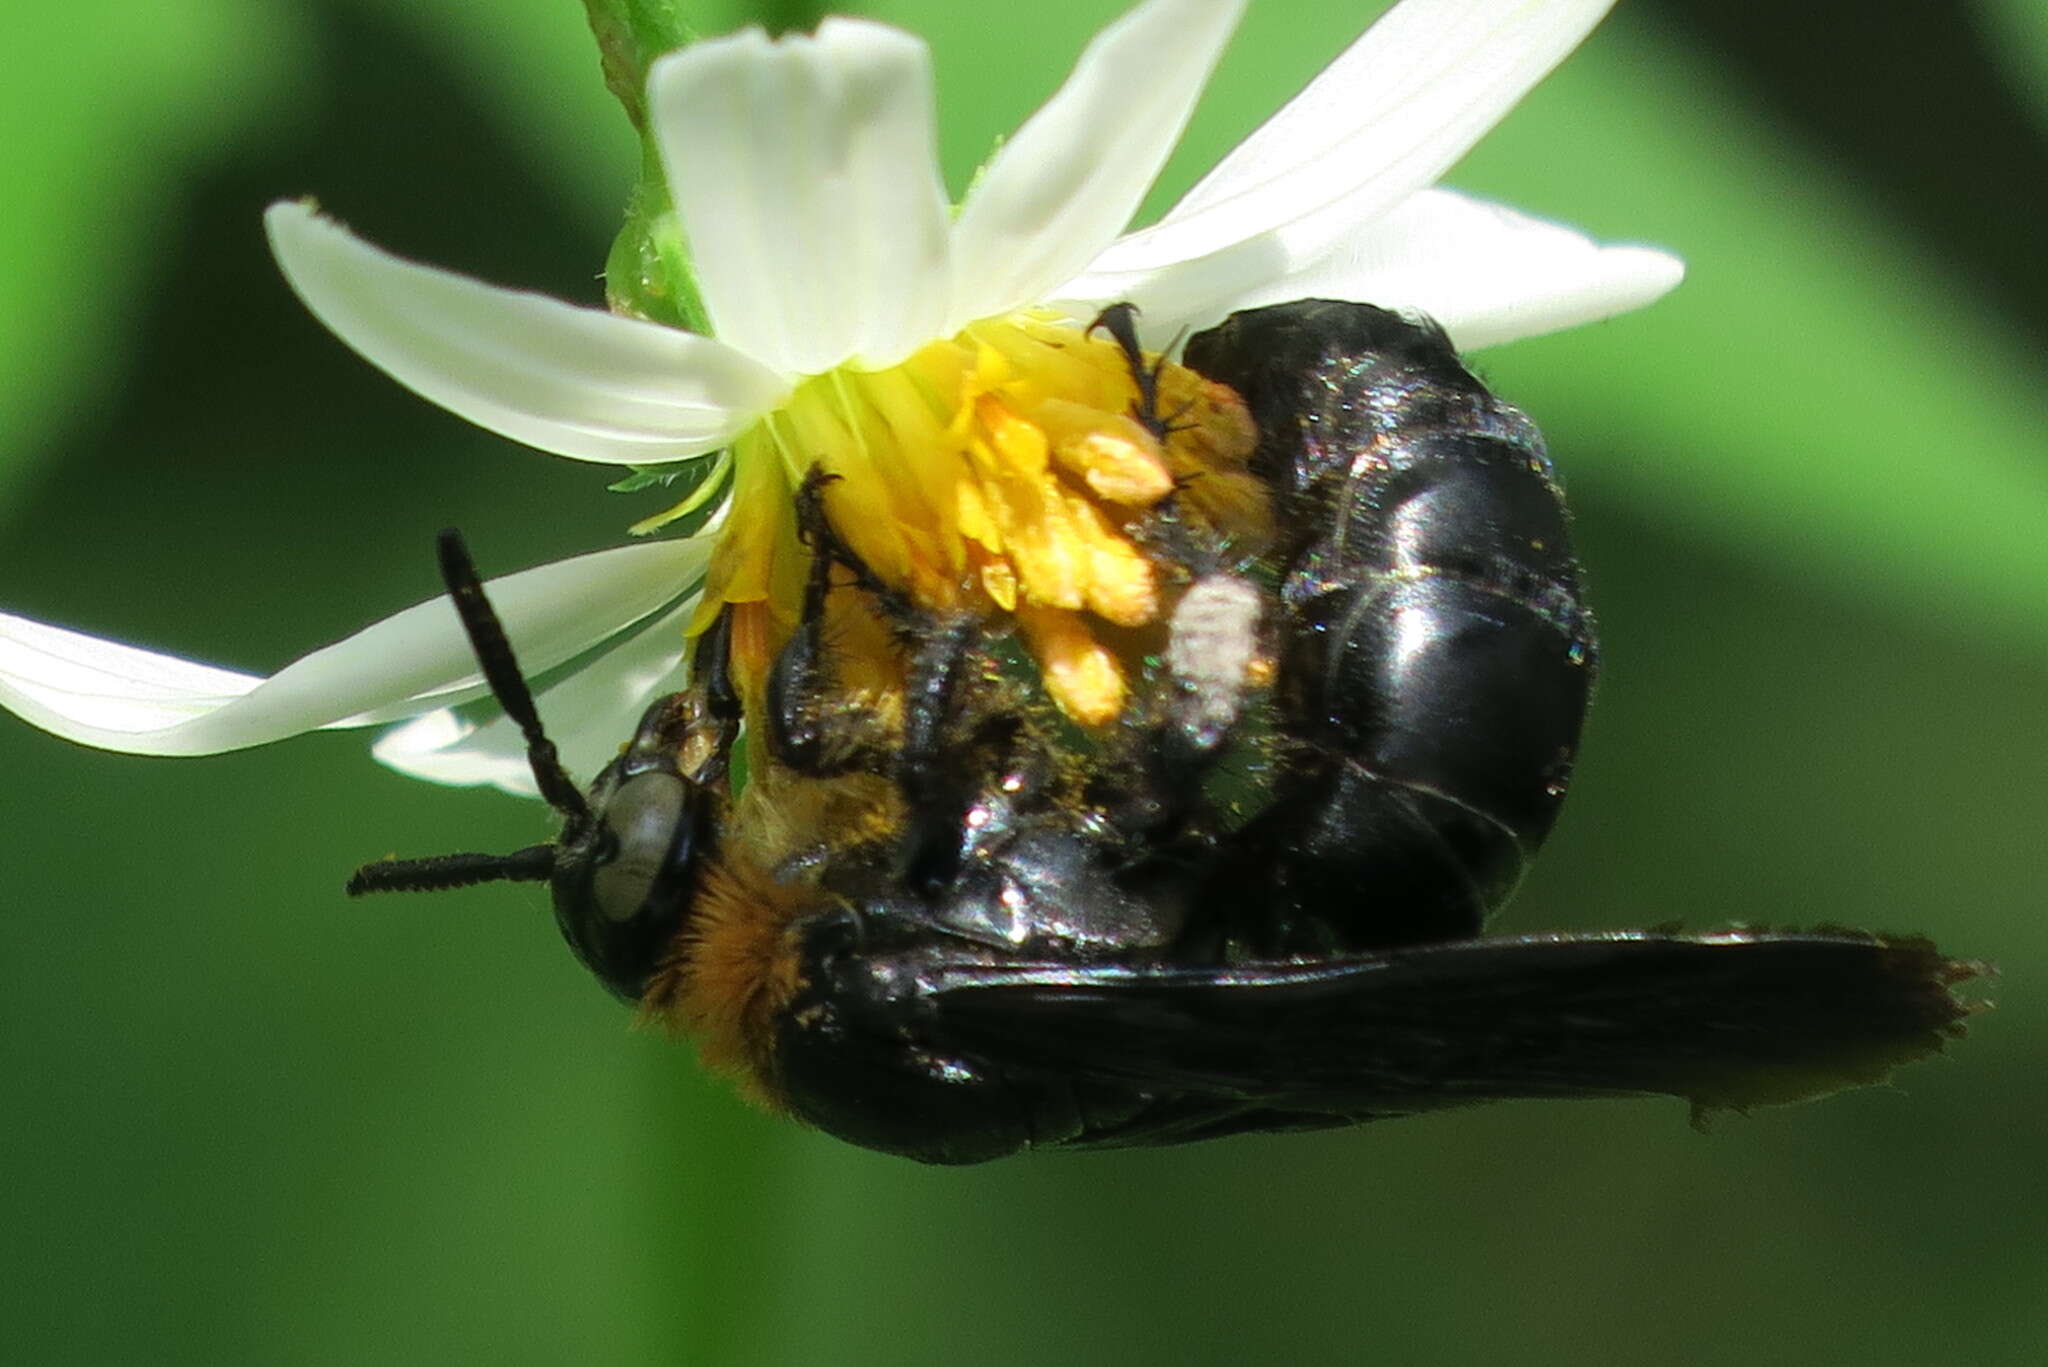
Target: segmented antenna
[
  {"x": 438, "y": 872},
  {"x": 501, "y": 671},
  {"x": 500, "y": 666}
]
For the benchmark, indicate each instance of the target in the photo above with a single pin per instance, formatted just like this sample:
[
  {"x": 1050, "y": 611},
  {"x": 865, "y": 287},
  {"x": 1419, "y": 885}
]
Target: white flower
[{"x": 843, "y": 293}]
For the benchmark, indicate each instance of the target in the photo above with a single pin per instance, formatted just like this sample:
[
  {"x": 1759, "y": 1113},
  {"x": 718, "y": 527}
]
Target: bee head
[
  {"x": 624, "y": 865},
  {"x": 623, "y": 875}
]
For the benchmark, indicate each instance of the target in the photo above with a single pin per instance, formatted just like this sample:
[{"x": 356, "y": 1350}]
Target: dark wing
[{"x": 1730, "y": 1019}]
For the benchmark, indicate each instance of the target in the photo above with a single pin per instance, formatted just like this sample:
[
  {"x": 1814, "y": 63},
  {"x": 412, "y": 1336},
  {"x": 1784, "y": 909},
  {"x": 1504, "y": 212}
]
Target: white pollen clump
[{"x": 1212, "y": 648}]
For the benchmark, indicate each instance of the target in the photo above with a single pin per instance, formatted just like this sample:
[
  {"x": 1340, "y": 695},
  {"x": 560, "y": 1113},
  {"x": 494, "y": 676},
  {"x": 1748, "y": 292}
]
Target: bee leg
[
  {"x": 809, "y": 727},
  {"x": 711, "y": 667},
  {"x": 935, "y": 767},
  {"x": 812, "y": 731},
  {"x": 1167, "y": 540},
  {"x": 1120, "y": 322},
  {"x": 1163, "y": 533},
  {"x": 711, "y": 675}
]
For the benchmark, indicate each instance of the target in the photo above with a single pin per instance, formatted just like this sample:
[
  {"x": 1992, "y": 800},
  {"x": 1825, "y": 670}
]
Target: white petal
[
  {"x": 117, "y": 697},
  {"x": 1486, "y": 272},
  {"x": 588, "y": 715},
  {"x": 805, "y": 175},
  {"x": 50, "y": 675},
  {"x": 1061, "y": 190},
  {"x": 578, "y": 382},
  {"x": 1387, "y": 118}
]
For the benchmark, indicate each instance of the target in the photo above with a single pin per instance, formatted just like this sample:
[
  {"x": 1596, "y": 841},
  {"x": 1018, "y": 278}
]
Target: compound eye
[
  {"x": 622, "y": 889},
  {"x": 643, "y": 819}
]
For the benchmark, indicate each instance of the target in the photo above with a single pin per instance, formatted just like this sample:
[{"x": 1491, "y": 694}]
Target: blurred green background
[{"x": 245, "y": 1120}]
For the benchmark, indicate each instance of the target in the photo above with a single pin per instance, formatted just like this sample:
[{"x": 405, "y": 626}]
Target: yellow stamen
[
  {"x": 1080, "y": 673},
  {"x": 1122, "y": 587},
  {"x": 1002, "y": 471},
  {"x": 1119, "y": 460}
]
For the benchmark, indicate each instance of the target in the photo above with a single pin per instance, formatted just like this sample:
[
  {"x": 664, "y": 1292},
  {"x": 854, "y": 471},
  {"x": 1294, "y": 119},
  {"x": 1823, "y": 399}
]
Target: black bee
[{"x": 1252, "y": 904}]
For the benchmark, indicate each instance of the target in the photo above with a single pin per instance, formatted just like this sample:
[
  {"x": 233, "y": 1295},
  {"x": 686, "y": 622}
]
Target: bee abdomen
[
  {"x": 1437, "y": 652},
  {"x": 1439, "y": 637}
]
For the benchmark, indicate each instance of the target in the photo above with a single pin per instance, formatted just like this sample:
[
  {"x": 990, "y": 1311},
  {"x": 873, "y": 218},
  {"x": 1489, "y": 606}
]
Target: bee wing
[{"x": 1725, "y": 1020}]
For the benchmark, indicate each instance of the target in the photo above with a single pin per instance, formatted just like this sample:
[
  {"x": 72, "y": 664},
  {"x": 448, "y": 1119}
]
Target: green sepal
[
  {"x": 647, "y": 273},
  {"x": 647, "y": 477},
  {"x": 701, "y": 485}
]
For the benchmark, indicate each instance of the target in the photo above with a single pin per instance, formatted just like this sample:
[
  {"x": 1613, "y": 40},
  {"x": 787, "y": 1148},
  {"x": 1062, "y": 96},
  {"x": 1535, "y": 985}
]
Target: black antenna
[
  {"x": 437, "y": 872},
  {"x": 500, "y": 666},
  {"x": 501, "y": 671}
]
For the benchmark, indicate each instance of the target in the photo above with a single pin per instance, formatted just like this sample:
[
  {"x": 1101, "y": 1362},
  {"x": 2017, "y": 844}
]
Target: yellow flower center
[{"x": 1001, "y": 471}]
